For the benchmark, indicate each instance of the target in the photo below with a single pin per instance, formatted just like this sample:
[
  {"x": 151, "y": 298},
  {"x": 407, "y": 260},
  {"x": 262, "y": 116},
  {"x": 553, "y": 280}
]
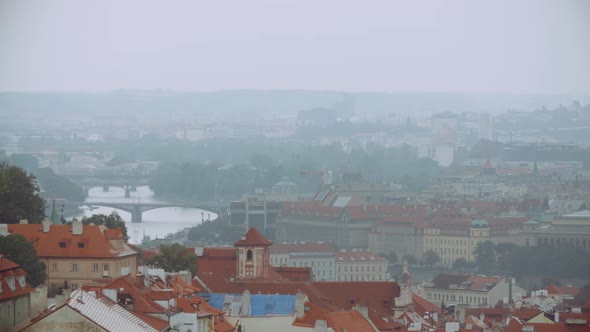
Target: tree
[
  {"x": 462, "y": 263},
  {"x": 174, "y": 257},
  {"x": 390, "y": 256},
  {"x": 411, "y": 259},
  {"x": 19, "y": 250},
  {"x": 19, "y": 196},
  {"x": 58, "y": 185},
  {"x": 217, "y": 231},
  {"x": 485, "y": 256},
  {"x": 111, "y": 221},
  {"x": 430, "y": 258}
]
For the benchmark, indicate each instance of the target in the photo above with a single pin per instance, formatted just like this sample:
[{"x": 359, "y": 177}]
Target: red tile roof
[
  {"x": 384, "y": 325},
  {"x": 568, "y": 290},
  {"x": 253, "y": 238},
  {"x": 9, "y": 269},
  {"x": 517, "y": 326},
  {"x": 294, "y": 273},
  {"x": 494, "y": 314},
  {"x": 95, "y": 241},
  {"x": 582, "y": 299},
  {"x": 222, "y": 325},
  {"x": 311, "y": 314},
  {"x": 378, "y": 295},
  {"x": 422, "y": 305},
  {"x": 219, "y": 263},
  {"x": 113, "y": 234},
  {"x": 181, "y": 287},
  {"x": 357, "y": 256},
  {"x": 161, "y": 295},
  {"x": 6, "y": 264},
  {"x": 468, "y": 282},
  {"x": 526, "y": 314},
  {"x": 349, "y": 320},
  {"x": 157, "y": 323},
  {"x": 142, "y": 303}
]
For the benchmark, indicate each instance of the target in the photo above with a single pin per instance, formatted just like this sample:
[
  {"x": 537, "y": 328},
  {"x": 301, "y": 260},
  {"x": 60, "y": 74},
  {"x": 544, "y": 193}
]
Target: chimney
[
  {"x": 299, "y": 304},
  {"x": 23, "y": 221},
  {"x": 509, "y": 290},
  {"x": 364, "y": 310},
  {"x": 199, "y": 251},
  {"x": 111, "y": 294},
  {"x": 3, "y": 229},
  {"x": 557, "y": 316},
  {"x": 320, "y": 326},
  {"x": 246, "y": 297},
  {"x": 46, "y": 225},
  {"x": 77, "y": 227},
  {"x": 461, "y": 309},
  {"x": 482, "y": 316}
]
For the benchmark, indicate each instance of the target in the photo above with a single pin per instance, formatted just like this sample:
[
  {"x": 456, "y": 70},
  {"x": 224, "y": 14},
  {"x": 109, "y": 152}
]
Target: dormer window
[
  {"x": 63, "y": 244},
  {"x": 81, "y": 245},
  {"x": 21, "y": 281},
  {"x": 10, "y": 282},
  {"x": 249, "y": 255}
]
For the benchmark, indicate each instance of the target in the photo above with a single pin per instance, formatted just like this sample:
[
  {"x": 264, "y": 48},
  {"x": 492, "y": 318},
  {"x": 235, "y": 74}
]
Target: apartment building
[
  {"x": 470, "y": 290},
  {"x": 318, "y": 256},
  {"x": 459, "y": 238},
  {"x": 360, "y": 265}
]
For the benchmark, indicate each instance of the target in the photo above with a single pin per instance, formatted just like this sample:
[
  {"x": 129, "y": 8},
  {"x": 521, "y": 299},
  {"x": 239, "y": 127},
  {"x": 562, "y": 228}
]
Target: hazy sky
[{"x": 441, "y": 46}]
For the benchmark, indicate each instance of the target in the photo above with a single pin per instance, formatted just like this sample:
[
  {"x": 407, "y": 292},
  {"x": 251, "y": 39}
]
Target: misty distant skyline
[{"x": 378, "y": 46}]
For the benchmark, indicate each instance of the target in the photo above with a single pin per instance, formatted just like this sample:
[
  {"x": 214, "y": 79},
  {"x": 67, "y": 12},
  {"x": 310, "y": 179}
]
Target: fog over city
[
  {"x": 320, "y": 166},
  {"x": 384, "y": 46}
]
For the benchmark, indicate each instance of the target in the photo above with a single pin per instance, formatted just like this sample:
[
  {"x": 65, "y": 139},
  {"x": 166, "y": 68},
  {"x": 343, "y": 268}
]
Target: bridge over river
[{"x": 136, "y": 209}]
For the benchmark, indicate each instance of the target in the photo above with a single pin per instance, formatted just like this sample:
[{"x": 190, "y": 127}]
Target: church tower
[
  {"x": 253, "y": 255},
  {"x": 405, "y": 300}
]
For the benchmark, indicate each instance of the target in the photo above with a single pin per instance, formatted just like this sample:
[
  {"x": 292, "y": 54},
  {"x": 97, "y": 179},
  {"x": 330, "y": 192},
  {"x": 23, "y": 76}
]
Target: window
[
  {"x": 249, "y": 255},
  {"x": 95, "y": 267},
  {"x": 53, "y": 267},
  {"x": 74, "y": 267},
  {"x": 62, "y": 244},
  {"x": 105, "y": 267},
  {"x": 81, "y": 245}
]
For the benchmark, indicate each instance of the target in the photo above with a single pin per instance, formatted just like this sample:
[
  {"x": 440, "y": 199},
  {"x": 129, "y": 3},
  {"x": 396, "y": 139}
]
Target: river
[{"x": 156, "y": 223}]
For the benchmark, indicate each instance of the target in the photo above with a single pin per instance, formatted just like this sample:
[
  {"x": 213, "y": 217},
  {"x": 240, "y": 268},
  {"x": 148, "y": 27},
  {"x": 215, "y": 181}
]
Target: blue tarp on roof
[
  {"x": 260, "y": 305},
  {"x": 265, "y": 305},
  {"x": 215, "y": 300}
]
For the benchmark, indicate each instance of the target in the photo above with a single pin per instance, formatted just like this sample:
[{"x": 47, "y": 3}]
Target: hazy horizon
[{"x": 528, "y": 47}]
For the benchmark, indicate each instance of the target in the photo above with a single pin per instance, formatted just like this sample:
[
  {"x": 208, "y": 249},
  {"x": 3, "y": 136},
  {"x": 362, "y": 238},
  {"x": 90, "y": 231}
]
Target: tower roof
[
  {"x": 54, "y": 217},
  {"x": 253, "y": 238}
]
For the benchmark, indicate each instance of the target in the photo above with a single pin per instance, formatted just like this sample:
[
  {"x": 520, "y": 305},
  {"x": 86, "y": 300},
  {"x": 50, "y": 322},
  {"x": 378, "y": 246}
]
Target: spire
[
  {"x": 54, "y": 216},
  {"x": 405, "y": 266}
]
